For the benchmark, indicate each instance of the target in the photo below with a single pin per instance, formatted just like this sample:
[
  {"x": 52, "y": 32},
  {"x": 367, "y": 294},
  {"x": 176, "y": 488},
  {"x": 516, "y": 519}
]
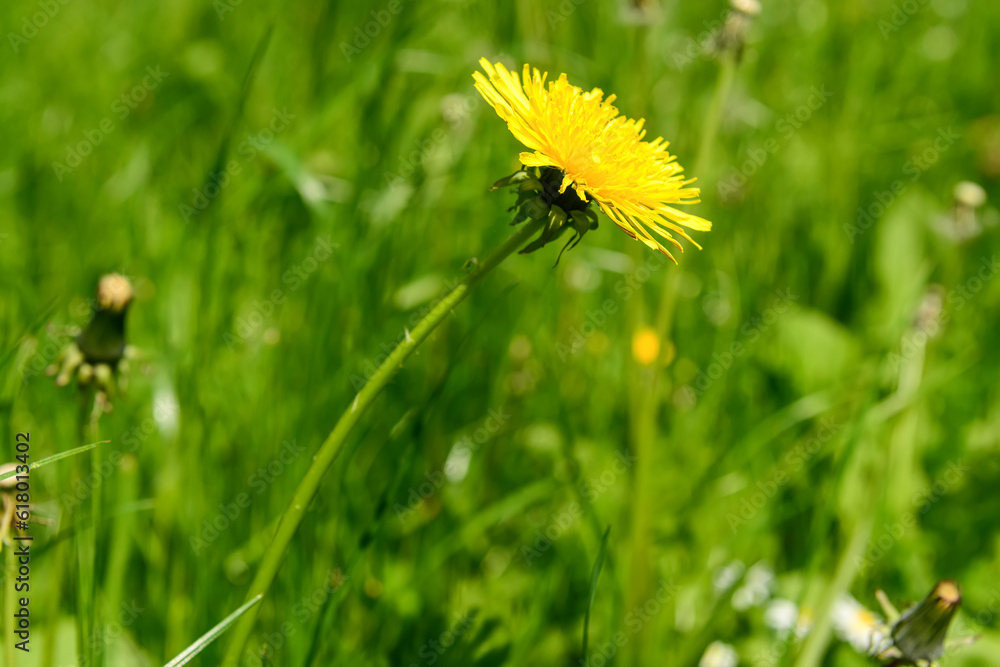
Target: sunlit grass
[{"x": 819, "y": 375}]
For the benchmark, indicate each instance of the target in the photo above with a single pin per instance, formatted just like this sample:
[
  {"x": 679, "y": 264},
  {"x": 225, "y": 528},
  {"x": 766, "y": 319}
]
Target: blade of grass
[
  {"x": 598, "y": 564},
  {"x": 55, "y": 457},
  {"x": 200, "y": 644}
]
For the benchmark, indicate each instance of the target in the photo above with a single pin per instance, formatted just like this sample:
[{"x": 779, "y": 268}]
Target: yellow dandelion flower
[{"x": 602, "y": 156}]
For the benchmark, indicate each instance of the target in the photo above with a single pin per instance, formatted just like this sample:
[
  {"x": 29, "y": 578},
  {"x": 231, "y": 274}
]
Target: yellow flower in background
[
  {"x": 601, "y": 155},
  {"x": 645, "y": 346}
]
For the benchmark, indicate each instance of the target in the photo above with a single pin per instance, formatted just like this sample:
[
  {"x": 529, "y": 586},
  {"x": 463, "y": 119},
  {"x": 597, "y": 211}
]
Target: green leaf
[
  {"x": 55, "y": 457},
  {"x": 598, "y": 564},
  {"x": 185, "y": 656}
]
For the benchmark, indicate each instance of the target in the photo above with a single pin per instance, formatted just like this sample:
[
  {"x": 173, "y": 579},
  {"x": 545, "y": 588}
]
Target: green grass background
[{"x": 208, "y": 407}]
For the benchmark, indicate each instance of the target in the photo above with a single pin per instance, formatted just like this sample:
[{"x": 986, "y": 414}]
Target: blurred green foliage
[{"x": 285, "y": 215}]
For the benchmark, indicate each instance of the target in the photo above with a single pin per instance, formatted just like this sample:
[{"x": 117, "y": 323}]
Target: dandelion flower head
[{"x": 603, "y": 156}]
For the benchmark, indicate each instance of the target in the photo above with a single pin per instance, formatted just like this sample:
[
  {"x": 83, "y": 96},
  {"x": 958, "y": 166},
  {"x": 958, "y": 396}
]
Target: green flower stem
[
  {"x": 86, "y": 538},
  {"x": 727, "y": 71},
  {"x": 647, "y": 400},
  {"x": 327, "y": 454},
  {"x": 819, "y": 635}
]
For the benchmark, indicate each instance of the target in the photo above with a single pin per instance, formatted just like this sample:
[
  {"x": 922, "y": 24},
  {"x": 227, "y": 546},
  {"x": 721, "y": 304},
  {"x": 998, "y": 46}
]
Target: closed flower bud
[{"x": 919, "y": 633}]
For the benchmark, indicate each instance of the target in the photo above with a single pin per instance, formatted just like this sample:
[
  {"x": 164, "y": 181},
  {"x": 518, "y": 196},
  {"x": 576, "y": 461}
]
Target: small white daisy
[
  {"x": 727, "y": 576},
  {"x": 781, "y": 616},
  {"x": 756, "y": 588},
  {"x": 856, "y": 625},
  {"x": 719, "y": 654}
]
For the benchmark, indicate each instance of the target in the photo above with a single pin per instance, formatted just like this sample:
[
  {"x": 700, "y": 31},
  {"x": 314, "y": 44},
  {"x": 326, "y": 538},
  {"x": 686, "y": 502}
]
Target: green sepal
[
  {"x": 514, "y": 178},
  {"x": 538, "y": 191},
  {"x": 557, "y": 221},
  {"x": 581, "y": 223},
  {"x": 534, "y": 208},
  {"x": 522, "y": 197},
  {"x": 531, "y": 185},
  {"x": 542, "y": 241}
]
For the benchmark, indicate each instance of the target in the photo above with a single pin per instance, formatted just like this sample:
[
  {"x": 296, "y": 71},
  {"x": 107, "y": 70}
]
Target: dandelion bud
[
  {"x": 641, "y": 12},
  {"x": 103, "y": 340},
  {"x": 969, "y": 194},
  {"x": 748, "y": 7},
  {"x": 963, "y": 223},
  {"x": 919, "y": 633},
  {"x": 114, "y": 292},
  {"x": 734, "y": 32}
]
